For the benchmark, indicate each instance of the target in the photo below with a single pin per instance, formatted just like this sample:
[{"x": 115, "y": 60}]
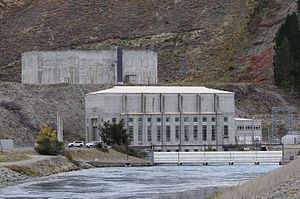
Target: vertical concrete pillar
[{"x": 59, "y": 128}]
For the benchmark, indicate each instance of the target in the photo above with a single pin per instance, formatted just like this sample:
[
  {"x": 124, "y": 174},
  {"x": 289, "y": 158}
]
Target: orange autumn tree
[{"x": 47, "y": 143}]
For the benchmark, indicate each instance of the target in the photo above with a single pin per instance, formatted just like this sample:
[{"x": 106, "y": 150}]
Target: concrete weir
[{"x": 229, "y": 157}]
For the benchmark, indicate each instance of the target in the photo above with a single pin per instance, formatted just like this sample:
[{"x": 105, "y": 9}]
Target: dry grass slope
[{"x": 263, "y": 186}]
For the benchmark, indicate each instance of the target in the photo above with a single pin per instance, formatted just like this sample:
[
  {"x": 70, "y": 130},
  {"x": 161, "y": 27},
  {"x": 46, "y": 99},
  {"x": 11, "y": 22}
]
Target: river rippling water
[{"x": 157, "y": 182}]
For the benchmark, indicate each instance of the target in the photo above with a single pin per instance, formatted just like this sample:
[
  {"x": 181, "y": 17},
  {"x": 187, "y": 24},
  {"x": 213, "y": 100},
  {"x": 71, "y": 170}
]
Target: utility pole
[{"x": 60, "y": 128}]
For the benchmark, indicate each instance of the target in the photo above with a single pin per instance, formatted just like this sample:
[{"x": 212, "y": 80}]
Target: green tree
[
  {"x": 283, "y": 65},
  {"x": 287, "y": 56},
  {"x": 114, "y": 133},
  {"x": 47, "y": 143}
]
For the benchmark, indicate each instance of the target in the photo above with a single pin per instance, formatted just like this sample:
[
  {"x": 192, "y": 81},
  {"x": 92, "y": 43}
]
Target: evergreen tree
[
  {"x": 114, "y": 133},
  {"x": 287, "y": 56},
  {"x": 283, "y": 64}
]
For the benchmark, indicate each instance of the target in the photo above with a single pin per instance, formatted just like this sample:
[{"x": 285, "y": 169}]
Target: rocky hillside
[
  {"x": 213, "y": 42},
  {"x": 26, "y": 108},
  {"x": 197, "y": 41}
]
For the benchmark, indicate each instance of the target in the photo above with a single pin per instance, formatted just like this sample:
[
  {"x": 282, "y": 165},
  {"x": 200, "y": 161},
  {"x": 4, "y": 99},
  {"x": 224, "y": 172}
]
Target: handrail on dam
[{"x": 256, "y": 153}]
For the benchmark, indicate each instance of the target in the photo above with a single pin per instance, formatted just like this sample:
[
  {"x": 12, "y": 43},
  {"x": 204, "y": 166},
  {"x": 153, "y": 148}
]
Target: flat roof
[
  {"x": 242, "y": 119},
  {"x": 161, "y": 89}
]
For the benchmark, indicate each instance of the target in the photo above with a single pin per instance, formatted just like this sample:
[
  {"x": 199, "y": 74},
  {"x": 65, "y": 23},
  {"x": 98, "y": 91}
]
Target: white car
[
  {"x": 76, "y": 144},
  {"x": 92, "y": 144}
]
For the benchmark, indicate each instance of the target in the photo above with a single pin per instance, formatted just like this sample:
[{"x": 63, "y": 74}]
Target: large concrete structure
[
  {"x": 165, "y": 115},
  {"x": 90, "y": 67},
  {"x": 248, "y": 131}
]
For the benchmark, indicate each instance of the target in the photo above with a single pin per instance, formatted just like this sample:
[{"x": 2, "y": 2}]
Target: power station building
[
  {"x": 110, "y": 66},
  {"x": 165, "y": 115},
  {"x": 248, "y": 131}
]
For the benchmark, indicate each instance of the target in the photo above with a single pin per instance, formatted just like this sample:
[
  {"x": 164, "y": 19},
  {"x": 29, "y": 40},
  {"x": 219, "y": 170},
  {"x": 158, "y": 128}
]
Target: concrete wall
[
  {"x": 6, "y": 144},
  {"x": 140, "y": 67},
  {"x": 88, "y": 67},
  {"x": 145, "y": 112},
  {"x": 291, "y": 139}
]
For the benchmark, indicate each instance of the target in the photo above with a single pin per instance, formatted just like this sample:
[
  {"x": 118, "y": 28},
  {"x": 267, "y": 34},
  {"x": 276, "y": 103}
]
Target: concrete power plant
[
  {"x": 170, "y": 115},
  {"x": 164, "y": 115},
  {"x": 111, "y": 66}
]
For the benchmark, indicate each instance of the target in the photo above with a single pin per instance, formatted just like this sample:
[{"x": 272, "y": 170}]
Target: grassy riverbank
[{"x": 280, "y": 183}]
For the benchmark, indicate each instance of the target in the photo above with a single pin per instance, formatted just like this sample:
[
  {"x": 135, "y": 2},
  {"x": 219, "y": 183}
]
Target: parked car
[
  {"x": 76, "y": 144},
  {"x": 92, "y": 144}
]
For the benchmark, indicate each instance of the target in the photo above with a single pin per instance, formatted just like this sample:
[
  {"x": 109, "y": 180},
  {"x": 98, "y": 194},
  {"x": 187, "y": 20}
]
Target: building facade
[
  {"x": 111, "y": 66},
  {"x": 165, "y": 116},
  {"x": 248, "y": 131}
]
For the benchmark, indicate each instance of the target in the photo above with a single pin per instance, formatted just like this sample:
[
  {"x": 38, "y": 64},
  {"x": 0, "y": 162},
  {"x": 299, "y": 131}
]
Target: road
[{"x": 33, "y": 159}]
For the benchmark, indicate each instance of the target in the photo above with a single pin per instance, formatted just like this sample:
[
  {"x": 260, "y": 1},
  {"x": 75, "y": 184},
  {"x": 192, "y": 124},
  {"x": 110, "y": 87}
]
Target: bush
[
  {"x": 102, "y": 147},
  {"x": 131, "y": 151},
  {"x": 47, "y": 143}
]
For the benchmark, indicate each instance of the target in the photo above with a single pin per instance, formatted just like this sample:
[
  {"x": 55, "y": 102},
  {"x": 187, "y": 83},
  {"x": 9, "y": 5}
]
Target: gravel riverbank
[
  {"x": 9, "y": 176},
  {"x": 41, "y": 165}
]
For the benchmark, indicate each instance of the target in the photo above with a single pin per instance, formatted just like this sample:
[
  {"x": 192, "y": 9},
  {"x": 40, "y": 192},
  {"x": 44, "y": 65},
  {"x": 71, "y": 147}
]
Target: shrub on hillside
[
  {"x": 47, "y": 143},
  {"x": 102, "y": 147},
  {"x": 131, "y": 151}
]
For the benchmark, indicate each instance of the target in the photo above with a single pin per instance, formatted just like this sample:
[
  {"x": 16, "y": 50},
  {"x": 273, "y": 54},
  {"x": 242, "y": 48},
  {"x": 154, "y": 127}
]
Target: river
[{"x": 157, "y": 182}]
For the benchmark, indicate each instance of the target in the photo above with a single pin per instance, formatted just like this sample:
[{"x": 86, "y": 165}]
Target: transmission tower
[{"x": 287, "y": 121}]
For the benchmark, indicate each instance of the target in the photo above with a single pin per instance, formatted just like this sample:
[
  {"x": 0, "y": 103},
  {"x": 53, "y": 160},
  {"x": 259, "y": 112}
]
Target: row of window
[
  {"x": 177, "y": 119},
  {"x": 177, "y": 133},
  {"x": 247, "y": 128}
]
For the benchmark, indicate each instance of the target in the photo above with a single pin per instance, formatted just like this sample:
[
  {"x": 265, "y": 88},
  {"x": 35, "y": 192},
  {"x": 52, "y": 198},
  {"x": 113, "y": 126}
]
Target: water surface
[{"x": 158, "y": 182}]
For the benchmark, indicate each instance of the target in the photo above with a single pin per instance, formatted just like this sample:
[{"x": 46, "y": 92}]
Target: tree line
[{"x": 287, "y": 53}]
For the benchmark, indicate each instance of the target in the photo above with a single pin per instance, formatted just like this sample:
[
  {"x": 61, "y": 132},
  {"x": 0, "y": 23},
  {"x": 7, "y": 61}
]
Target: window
[
  {"x": 140, "y": 133},
  {"x": 130, "y": 133},
  {"x": 225, "y": 119},
  {"x": 186, "y": 119},
  {"x": 204, "y": 133},
  {"x": 186, "y": 133},
  {"x": 158, "y": 136},
  {"x": 130, "y": 119},
  {"x": 149, "y": 119},
  {"x": 196, "y": 150},
  {"x": 186, "y": 150},
  {"x": 140, "y": 119},
  {"x": 204, "y": 119},
  {"x": 241, "y": 128},
  {"x": 226, "y": 133},
  {"x": 176, "y": 119},
  {"x": 168, "y": 133},
  {"x": 158, "y": 119},
  {"x": 195, "y": 129},
  {"x": 177, "y": 132},
  {"x": 213, "y": 119},
  {"x": 167, "y": 119},
  {"x": 195, "y": 119},
  {"x": 114, "y": 120},
  {"x": 149, "y": 134},
  {"x": 213, "y": 133}
]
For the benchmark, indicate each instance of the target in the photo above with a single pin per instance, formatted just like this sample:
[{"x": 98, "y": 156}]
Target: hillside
[
  {"x": 197, "y": 41},
  {"x": 219, "y": 43}
]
